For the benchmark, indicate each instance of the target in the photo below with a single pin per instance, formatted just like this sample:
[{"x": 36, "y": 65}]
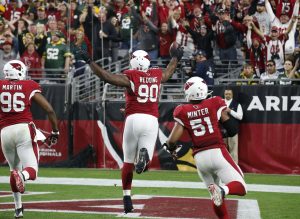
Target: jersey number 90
[{"x": 147, "y": 92}]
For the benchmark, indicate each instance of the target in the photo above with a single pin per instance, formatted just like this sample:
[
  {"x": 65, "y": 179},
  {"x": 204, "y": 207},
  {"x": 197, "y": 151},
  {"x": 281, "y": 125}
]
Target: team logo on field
[{"x": 144, "y": 206}]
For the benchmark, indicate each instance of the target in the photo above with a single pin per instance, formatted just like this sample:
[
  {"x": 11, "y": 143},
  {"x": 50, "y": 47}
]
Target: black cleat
[
  {"x": 127, "y": 204},
  {"x": 143, "y": 161},
  {"x": 19, "y": 212}
]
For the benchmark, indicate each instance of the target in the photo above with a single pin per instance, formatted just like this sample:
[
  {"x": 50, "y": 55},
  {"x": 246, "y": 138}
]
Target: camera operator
[{"x": 202, "y": 67}]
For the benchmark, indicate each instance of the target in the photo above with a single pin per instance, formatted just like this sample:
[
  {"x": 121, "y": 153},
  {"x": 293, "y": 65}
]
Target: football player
[
  {"x": 141, "y": 125},
  {"x": 18, "y": 132},
  {"x": 200, "y": 117}
]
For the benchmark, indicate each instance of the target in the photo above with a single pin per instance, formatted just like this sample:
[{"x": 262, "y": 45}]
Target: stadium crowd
[{"x": 49, "y": 35}]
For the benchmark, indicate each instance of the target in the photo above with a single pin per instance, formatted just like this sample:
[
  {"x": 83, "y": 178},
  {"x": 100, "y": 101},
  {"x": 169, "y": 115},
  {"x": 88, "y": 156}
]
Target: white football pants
[
  {"x": 19, "y": 147},
  {"x": 140, "y": 131},
  {"x": 216, "y": 164}
]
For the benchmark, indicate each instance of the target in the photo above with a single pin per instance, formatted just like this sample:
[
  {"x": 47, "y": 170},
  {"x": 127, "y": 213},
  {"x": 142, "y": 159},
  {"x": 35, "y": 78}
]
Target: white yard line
[{"x": 151, "y": 184}]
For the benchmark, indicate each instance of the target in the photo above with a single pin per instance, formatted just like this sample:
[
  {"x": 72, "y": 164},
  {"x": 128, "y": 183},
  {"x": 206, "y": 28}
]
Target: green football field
[{"x": 271, "y": 204}]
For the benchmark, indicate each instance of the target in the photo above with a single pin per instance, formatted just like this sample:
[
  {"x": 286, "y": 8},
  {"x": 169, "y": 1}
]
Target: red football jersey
[
  {"x": 202, "y": 122},
  {"x": 143, "y": 96},
  {"x": 15, "y": 101}
]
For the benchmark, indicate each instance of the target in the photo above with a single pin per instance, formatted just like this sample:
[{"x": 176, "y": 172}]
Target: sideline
[{"x": 151, "y": 184}]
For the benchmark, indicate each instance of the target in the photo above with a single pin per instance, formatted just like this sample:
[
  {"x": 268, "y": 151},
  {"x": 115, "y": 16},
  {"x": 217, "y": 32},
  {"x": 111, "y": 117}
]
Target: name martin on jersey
[
  {"x": 12, "y": 87},
  {"x": 197, "y": 113},
  {"x": 148, "y": 80}
]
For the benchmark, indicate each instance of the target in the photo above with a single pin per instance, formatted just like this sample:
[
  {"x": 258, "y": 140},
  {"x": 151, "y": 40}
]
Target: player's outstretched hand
[
  {"x": 176, "y": 51},
  {"x": 52, "y": 139},
  {"x": 172, "y": 150}
]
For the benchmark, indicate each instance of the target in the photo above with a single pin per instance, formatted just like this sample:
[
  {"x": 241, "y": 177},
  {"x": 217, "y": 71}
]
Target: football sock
[
  {"x": 127, "y": 175},
  {"x": 17, "y": 198},
  {"x": 236, "y": 188},
  {"x": 13, "y": 184},
  {"x": 29, "y": 173},
  {"x": 221, "y": 211},
  {"x": 126, "y": 192}
]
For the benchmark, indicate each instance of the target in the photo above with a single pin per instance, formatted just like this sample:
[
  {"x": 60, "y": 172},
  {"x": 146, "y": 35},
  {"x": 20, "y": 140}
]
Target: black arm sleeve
[{"x": 231, "y": 127}]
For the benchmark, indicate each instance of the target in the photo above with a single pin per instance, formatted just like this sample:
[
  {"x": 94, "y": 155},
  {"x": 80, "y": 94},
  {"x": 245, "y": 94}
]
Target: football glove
[
  {"x": 172, "y": 150},
  {"x": 52, "y": 139},
  {"x": 176, "y": 52}
]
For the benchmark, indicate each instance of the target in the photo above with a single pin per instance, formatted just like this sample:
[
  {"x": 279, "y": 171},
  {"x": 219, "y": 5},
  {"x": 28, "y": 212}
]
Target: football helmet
[
  {"x": 140, "y": 60},
  {"x": 195, "y": 89},
  {"x": 15, "y": 69}
]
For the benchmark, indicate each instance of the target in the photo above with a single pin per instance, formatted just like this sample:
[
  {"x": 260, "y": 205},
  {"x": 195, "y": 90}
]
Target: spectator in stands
[
  {"x": 115, "y": 42},
  {"x": 262, "y": 17},
  {"x": 41, "y": 15},
  {"x": 256, "y": 52},
  {"x": 203, "y": 39},
  {"x": 166, "y": 38},
  {"x": 56, "y": 59},
  {"x": 63, "y": 11},
  {"x": 33, "y": 61},
  {"x": 283, "y": 25},
  {"x": 101, "y": 33},
  {"x": 147, "y": 32},
  {"x": 225, "y": 36},
  {"x": 10, "y": 37},
  {"x": 275, "y": 43},
  {"x": 76, "y": 47},
  {"x": 271, "y": 75},
  {"x": 75, "y": 14},
  {"x": 235, "y": 111},
  {"x": 203, "y": 68},
  {"x": 249, "y": 74},
  {"x": 289, "y": 72},
  {"x": 41, "y": 39},
  {"x": 183, "y": 37},
  {"x": 6, "y": 54},
  {"x": 25, "y": 41}
]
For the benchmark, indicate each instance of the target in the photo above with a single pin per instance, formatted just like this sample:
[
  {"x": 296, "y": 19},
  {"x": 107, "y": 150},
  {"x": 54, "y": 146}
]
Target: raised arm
[
  {"x": 115, "y": 79},
  {"x": 257, "y": 31},
  {"x": 176, "y": 54},
  {"x": 290, "y": 27}
]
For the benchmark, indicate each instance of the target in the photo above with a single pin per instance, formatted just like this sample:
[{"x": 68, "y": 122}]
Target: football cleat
[
  {"x": 19, "y": 212},
  {"x": 143, "y": 161},
  {"x": 217, "y": 194},
  {"x": 19, "y": 180},
  {"x": 127, "y": 204}
]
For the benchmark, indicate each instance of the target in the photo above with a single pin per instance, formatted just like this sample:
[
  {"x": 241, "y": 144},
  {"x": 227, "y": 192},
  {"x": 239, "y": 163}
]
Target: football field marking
[
  {"x": 151, "y": 184},
  {"x": 246, "y": 209}
]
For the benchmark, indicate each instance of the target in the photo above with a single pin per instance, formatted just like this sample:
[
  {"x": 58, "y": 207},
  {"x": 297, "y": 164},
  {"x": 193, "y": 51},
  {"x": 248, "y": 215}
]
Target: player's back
[
  {"x": 15, "y": 101},
  {"x": 143, "y": 96},
  {"x": 202, "y": 122}
]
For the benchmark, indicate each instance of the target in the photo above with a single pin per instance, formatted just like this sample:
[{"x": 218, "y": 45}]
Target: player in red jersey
[
  {"x": 18, "y": 132},
  {"x": 200, "y": 117},
  {"x": 141, "y": 125}
]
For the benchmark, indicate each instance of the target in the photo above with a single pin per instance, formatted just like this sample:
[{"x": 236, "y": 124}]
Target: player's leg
[
  {"x": 146, "y": 143},
  {"x": 233, "y": 147},
  {"x": 230, "y": 174},
  {"x": 10, "y": 153},
  {"x": 28, "y": 151},
  {"x": 205, "y": 168},
  {"x": 129, "y": 150}
]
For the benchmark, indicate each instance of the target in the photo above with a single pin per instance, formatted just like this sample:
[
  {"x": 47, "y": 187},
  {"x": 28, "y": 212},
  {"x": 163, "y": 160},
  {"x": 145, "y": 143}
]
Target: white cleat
[{"x": 217, "y": 194}]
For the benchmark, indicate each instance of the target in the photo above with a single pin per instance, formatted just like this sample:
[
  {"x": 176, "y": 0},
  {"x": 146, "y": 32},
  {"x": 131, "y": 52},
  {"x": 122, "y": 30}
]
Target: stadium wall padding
[{"x": 91, "y": 133}]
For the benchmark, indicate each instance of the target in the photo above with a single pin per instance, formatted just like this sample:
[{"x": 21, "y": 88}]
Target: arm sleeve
[{"x": 238, "y": 114}]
